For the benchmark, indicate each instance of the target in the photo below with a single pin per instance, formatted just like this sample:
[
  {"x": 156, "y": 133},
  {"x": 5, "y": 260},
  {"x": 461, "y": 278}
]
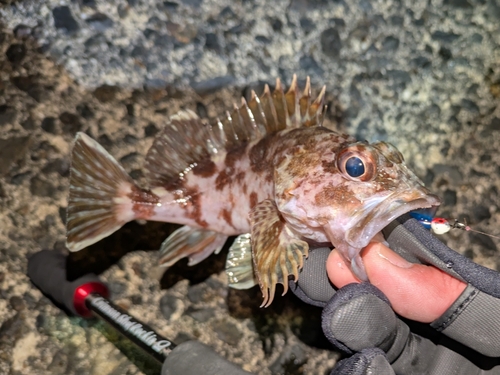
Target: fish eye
[
  {"x": 357, "y": 163},
  {"x": 354, "y": 167}
]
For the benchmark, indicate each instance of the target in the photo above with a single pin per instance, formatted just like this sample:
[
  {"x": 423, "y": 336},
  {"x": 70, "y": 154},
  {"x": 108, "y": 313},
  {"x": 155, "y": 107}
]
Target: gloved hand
[{"x": 359, "y": 319}]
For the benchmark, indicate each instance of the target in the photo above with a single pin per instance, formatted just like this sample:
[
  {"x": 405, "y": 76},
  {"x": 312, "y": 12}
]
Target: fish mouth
[{"x": 379, "y": 213}]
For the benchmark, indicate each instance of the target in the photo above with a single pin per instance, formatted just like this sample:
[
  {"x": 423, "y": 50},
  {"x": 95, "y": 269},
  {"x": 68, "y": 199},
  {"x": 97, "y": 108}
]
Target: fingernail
[{"x": 393, "y": 258}]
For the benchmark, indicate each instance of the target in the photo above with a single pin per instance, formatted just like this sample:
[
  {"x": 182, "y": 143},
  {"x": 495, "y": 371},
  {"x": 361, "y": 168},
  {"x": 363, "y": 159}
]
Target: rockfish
[{"x": 270, "y": 172}]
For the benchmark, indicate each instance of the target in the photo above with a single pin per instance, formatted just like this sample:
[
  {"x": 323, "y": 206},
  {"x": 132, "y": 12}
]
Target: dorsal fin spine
[
  {"x": 305, "y": 101},
  {"x": 280, "y": 104},
  {"x": 292, "y": 103},
  {"x": 256, "y": 107},
  {"x": 269, "y": 110}
]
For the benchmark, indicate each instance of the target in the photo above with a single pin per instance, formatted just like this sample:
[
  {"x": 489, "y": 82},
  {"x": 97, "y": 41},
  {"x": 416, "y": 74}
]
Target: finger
[{"x": 418, "y": 292}]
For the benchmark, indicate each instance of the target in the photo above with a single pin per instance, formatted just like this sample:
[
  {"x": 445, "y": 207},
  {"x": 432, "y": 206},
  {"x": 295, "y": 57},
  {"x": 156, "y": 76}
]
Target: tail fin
[{"x": 98, "y": 203}]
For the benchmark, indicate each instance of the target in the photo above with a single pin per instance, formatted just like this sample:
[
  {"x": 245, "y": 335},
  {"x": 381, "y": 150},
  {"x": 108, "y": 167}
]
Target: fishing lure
[{"x": 440, "y": 225}]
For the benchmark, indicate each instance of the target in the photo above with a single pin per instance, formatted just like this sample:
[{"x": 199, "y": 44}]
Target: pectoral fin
[
  {"x": 197, "y": 244},
  {"x": 277, "y": 251},
  {"x": 239, "y": 266}
]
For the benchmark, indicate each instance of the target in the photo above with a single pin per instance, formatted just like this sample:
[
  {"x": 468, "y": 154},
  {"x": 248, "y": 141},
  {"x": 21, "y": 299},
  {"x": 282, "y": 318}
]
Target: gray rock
[
  {"x": 494, "y": 125},
  {"x": 22, "y": 31},
  {"x": 59, "y": 363},
  {"x": 31, "y": 86},
  {"x": 396, "y": 20},
  {"x": 100, "y": 22},
  {"x": 41, "y": 187},
  {"x": 290, "y": 361},
  {"x": 117, "y": 288},
  {"x": 213, "y": 84},
  {"x": 49, "y": 124},
  {"x": 196, "y": 293},
  {"x": 399, "y": 76},
  {"x": 212, "y": 42},
  {"x": 227, "y": 332},
  {"x": 70, "y": 123},
  {"x": 445, "y": 37},
  {"x": 390, "y": 43},
  {"x": 464, "y": 4},
  {"x": 11, "y": 150},
  {"x": 18, "y": 179},
  {"x": 17, "y": 303},
  {"x": 447, "y": 171},
  {"x": 445, "y": 53},
  {"x": 420, "y": 62},
  {"x": 64, "y": 19},
  {"x": 8, "y": 115},
  {"x": 480, "y": 213},
  {"x": 201, "y": 315},
  {"x": 106, "y": 93},
  {"x": 150, "y": 130},
  {"x": 307, "y": 25},
  {"x": 129, "y": 159},
  {"x": 449, "y": 198},
  {"x": 61, "y": 166},
  {"x": 169, "y": 304},
  {"x": 331, "y": 44},
  {"x": 310, "y": 66},
  {"x": 11, "y": 331},
  {"x": 16, "y": 53},
  {"x": 469, "y": 105}
]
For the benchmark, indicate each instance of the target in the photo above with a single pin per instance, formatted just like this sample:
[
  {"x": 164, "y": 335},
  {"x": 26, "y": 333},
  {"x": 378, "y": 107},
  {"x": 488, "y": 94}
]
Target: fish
[{"x": 271, "y": 172}]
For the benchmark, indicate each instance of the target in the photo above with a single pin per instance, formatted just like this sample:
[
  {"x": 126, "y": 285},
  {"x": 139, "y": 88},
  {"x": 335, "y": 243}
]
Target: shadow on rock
[{"x": 98, "y": 257}]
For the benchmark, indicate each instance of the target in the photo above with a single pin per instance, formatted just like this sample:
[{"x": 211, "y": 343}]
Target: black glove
[{"x": 359, "y": 320}]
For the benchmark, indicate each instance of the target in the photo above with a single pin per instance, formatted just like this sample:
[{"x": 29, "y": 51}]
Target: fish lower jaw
[{"x": 365, "y": 231}]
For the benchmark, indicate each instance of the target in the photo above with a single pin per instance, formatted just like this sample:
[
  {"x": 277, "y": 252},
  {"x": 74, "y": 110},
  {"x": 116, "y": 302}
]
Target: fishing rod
[{"x": 88, "y": 297}]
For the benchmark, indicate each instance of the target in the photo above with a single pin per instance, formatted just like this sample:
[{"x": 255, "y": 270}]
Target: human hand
[
  {"x": 459, "y": 298},
  {"x": 416, "y": 291}
]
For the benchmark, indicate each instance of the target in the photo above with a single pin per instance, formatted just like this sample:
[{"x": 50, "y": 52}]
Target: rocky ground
[{"x": 424, "y": 76}]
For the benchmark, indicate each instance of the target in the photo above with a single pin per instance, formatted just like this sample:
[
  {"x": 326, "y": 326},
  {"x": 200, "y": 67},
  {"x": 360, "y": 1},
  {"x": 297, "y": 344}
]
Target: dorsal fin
[
  {"x": 187, "y": 141},
  {"x": 184, "y": 140}
]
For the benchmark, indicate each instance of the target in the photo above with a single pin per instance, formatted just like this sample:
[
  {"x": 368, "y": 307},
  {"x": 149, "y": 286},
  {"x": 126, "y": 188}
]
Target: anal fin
[
  {"x": 239, "y": 266},
  {"x": 277, "y": 251},
  {"x": 197, "y": 244}
]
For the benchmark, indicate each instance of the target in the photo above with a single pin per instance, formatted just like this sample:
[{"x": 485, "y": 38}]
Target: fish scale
[{"x": 269, "y": 172}]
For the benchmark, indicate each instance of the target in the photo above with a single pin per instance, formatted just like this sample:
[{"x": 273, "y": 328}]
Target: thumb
[{"x": 417, "y": 292}]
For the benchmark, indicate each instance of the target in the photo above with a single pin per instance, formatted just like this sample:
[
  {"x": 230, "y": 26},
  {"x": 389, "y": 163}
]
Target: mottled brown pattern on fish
[
  {"x": 261, "y": 155},
  {"x": 332, "y": 193},
  {"x": 224, "y": 178},
  {"x": 193, "y": 206},
  {"x": 301, "y": 163},
  {"x": 235, "y": 155},
  {"x": 175, "y": 185},
  {"x": 239, "y": 177},
  {"x": 205, "y": 168},
  {"x": 226, "y": 215},
  {"x": 143, "y": 202},
  {"x": 330, "y": 166},
  {"x": 253, "y": 199}
]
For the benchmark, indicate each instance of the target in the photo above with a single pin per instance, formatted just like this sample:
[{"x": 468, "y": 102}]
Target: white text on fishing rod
[{"x": 129, "y": 325}]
